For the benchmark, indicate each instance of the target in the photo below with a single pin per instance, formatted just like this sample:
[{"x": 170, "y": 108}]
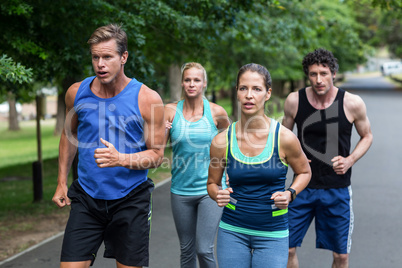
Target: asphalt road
[{"x": 377, "y": 200}]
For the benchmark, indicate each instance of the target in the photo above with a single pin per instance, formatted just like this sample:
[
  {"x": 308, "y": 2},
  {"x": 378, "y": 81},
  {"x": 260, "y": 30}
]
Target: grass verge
[{"x": 24, "y": 223}]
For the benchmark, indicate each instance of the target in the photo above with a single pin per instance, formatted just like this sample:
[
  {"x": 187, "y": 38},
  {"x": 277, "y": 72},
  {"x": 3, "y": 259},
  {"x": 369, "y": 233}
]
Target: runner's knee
[{"x": 341, "y": 258}]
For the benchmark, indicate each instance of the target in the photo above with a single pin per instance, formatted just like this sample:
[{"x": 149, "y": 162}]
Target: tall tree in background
[
  {"x": 51, "y": 38},
  {"x": 12, "y": 76}
]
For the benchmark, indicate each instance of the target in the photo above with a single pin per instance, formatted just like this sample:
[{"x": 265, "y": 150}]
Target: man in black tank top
[{"x": 325, "y": 115}]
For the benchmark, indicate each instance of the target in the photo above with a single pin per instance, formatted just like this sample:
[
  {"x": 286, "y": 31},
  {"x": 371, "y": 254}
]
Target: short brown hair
[{"x": 111, "y": 31}]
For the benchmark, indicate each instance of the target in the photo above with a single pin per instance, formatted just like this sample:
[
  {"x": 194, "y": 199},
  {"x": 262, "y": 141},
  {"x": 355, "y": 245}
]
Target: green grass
[
  {"x": 16, "y": 190},
  {"x": 226, "y": 104},
  {"x": 18, "y": 150},
  {"x": 18, "y": 147}
]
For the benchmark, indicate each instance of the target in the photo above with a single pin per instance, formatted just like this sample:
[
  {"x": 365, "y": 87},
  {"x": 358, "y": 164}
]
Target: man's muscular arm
[
  {"x": 355, "y": 110},
  {"x": 290, "y": 110},
  {"x": 67, "y": 148}
]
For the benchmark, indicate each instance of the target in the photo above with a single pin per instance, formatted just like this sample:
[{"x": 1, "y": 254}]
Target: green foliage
[
  {"x": 13, "y": 72},
  {"x": 391, "y": 32},
  {"x": 13, "y": 77},
  {"x": 388, "y": 4},
  {"x": 223, "y": 35}
]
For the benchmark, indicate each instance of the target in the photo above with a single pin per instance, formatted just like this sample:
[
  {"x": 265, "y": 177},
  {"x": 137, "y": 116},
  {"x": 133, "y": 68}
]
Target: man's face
[
  {"x": 321, "y": 78},
  {"x": 106, "y": 61}
]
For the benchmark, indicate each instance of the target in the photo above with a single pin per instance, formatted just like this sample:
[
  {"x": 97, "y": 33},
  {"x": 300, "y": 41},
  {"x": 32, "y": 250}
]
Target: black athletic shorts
[{"x": 123, "y": 225}]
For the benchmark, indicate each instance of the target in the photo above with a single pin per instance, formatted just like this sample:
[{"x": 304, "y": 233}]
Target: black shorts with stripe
[{"x": 122, "y": 224}]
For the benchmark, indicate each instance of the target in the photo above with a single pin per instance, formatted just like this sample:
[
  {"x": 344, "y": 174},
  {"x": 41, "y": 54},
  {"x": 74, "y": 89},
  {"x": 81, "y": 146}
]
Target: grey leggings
[{"x": 196, "y": 219}]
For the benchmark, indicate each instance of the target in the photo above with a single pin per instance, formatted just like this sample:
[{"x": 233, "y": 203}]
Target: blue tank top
[
  {"x": 190, "y": 143},
  {"x": 254, "y": 180},
  {"x": 117, "y": 120}
]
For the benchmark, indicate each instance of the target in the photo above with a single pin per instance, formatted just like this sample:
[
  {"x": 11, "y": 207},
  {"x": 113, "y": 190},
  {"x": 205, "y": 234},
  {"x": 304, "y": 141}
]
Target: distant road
[{"x": 370, "y": 82}]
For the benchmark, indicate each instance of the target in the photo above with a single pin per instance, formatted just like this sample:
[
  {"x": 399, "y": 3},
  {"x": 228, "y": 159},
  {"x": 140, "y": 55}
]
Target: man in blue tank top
[
  {"x": 117, "y": 125},
  {"x": 325, "y": 115}
]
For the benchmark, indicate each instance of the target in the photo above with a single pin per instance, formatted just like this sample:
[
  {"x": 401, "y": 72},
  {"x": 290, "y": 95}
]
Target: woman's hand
[
  {"x": 281, "y": 199},
  {"x": 223, "y": 197},
  {"x": 168, "y": 125}
]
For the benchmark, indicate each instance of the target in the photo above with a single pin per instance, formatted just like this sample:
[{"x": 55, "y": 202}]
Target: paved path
[{"x": 377, "y": 199}]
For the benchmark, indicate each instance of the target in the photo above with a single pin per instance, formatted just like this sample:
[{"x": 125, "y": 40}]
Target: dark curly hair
[{"x": 320, "y": 56}]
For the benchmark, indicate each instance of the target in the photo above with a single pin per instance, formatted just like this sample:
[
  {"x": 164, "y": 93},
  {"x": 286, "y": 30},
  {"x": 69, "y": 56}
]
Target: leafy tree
[
  {"x": 280, "y": 34},
  {"x": 13, "y": 76},
  {"x": 390, "y": 32},
  {"x": 51, "y": 38},
  {"x": 13, "y": 72}
]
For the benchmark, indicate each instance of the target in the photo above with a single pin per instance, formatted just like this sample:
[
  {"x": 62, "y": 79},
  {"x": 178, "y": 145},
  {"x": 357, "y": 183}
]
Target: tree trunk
[
  {"x": 13, "y": 123},
  {"x": 278, "y": 88},
  {"x": 61, "y": 114},
  {"x": 235, "y": 104},
  {"x": 174, "y": 82}
]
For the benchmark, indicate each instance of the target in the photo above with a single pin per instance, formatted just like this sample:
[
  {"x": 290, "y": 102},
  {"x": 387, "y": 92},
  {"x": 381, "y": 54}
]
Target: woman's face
[
  {"x": 252, "y": 93},
  {"x": 193, "y": 82}
]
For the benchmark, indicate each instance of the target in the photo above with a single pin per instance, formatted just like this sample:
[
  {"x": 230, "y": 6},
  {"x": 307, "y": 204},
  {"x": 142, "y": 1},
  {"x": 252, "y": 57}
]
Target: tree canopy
[{"x": 49, "y": 37}]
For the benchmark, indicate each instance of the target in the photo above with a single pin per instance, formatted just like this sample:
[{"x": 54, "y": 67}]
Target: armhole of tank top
[
  {"x": 209, "y": 116},
  {"x": 300, "y": 95},
  {"x": 341, "y": 99},
  {"x": 174, "y": 121},
  {"x": 85, "y": 85},
  {"x": 229, "y": 131},
  {"x": 137, "y": 106},
  {"x": 278, "y": 142}
]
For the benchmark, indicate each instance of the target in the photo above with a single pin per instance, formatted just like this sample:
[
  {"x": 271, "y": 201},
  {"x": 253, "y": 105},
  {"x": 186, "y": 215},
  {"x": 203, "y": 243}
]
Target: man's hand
[
  {"x": 60, "y": 196},
  {"x": 107, "y": 157},
  {"x": 341, "y": 164}
]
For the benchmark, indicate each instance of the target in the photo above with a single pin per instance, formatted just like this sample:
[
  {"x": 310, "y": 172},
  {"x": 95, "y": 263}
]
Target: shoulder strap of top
[
  {"x": 278, "y": 143},
  {"x": 179, "y": 113},
  {"x": 84, "y": 86},
  {"x": 340, "y": 95},
  {"x": 179, "y": 106},
  {"x": 208, "y": 113},
  {"x": 340, "y": 98},
  {"x": 302, "y": 96},
  {"x": 276, "y": 140},
  {"x": 228, "y": 137}
]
